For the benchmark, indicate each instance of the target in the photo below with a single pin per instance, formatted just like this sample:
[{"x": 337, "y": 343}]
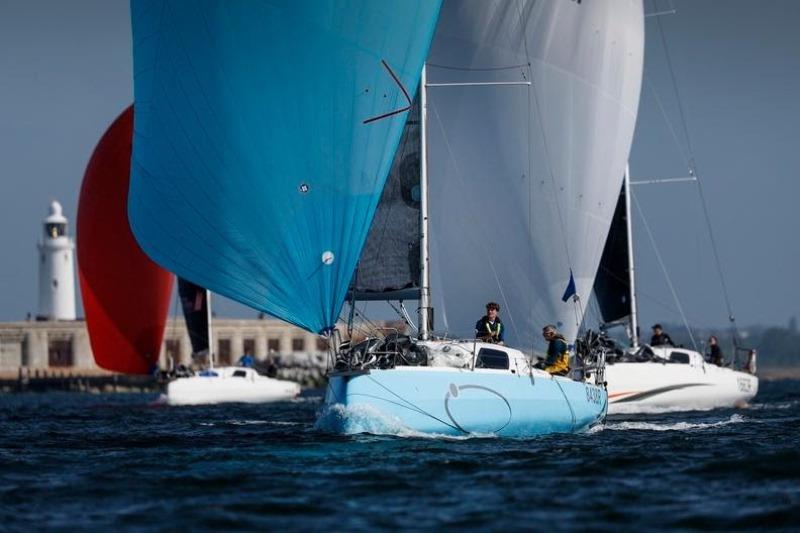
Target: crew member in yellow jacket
[{"x": 557, "y": 362}]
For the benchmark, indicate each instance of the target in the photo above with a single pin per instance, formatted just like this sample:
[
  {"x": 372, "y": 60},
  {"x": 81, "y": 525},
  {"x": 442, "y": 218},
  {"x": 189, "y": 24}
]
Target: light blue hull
[{"x": 455, "y": 402}]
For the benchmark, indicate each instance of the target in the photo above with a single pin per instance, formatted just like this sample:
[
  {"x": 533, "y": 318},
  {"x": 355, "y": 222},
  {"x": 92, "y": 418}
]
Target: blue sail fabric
[{"x": 263, "y": 135}]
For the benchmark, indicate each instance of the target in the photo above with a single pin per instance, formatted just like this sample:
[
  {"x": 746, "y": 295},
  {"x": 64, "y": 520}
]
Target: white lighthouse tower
[{"x": 56, "y": 270}]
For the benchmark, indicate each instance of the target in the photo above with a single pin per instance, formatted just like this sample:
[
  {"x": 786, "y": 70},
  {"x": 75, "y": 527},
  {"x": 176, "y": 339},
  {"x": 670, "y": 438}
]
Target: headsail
[
  {"x": 389, "y": 265},
  {"x": 524, "y": 178},
  {"x": 612, "y": 286},
  {"x": 264, "y": 135},
  {"x": 125, "y": 295},
  {"x": 194, "y": 301}
]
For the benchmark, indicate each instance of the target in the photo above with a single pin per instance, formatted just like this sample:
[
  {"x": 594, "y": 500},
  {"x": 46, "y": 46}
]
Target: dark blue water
[{"x": 99, "y": 462}]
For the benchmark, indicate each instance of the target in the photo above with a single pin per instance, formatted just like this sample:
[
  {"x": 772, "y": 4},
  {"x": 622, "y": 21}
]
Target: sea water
[{"x": 129, "y": 462}]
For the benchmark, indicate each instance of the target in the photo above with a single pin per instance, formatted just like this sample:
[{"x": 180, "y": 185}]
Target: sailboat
[
  {"x": 265, "y": 134},
  {"x": 655, "y": 378},
  {"x": 227, "y": 384},
  {"x": 517, "y": 207},
  {"x": 126, "y": 295}
]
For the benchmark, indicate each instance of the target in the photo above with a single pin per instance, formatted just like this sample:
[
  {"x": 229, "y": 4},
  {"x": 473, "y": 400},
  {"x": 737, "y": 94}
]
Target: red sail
[{"x": 125, "y": 295}]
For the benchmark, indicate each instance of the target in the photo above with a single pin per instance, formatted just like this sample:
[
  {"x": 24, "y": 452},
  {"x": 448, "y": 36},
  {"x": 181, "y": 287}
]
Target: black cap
[{"x": 657, "y": 326}]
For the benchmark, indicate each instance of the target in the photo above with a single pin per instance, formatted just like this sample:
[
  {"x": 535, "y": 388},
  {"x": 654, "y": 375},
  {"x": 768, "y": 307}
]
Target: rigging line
[
  {"x": 725, "y": 294},
  {"x": 412, "y": 406},
  {"x": 693, "y": 170},
  {"x": 359, "y": 329},
  {"x": 548, "y": 161},
  {"x": 368, "y": 322},
  {"x": 659, "y": 102},
  {"x": 482, "y": 242},
  {"x": 408, "y": 317},
  {"x": 475, "y": 69},
  {"x": 402, "y": 314},
  {"x": 664, "y": 270},
  {"x": 640, "y": 292},
  {"x": 675, "y": 86}
]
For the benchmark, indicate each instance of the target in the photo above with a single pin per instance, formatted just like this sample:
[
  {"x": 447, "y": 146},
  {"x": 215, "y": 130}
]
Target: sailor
[
  {"x": 247, "y": 360},
  {"x": 490, "y": 327},
  {"x": 660, "y": 338},
  {"x": 557, "y": 362},
  {"x": 715, "y": 353}
]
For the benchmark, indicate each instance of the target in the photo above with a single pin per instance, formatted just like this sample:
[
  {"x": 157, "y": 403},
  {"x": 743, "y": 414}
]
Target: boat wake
[
  {"x": 774, "y": 406},
  {"x": 677, "y": 426},
  {"x": 250, "y": 423},
  {"x": 365, "y": 419}
]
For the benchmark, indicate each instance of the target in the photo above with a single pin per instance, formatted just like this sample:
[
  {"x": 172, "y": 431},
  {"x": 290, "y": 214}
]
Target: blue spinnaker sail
[{"x": 264, "y": 132}]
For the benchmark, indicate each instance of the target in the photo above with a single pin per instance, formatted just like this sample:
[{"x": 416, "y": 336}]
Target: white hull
[
  {"x": 230, "y": 384},
  {"x": 671, "y": 386}
]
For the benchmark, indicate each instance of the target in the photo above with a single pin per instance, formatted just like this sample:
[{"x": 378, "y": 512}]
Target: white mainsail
[{"x": 524, "y": 178}]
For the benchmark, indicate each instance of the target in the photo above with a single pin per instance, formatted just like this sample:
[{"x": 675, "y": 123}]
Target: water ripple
[{"x": 127, "y": 462}]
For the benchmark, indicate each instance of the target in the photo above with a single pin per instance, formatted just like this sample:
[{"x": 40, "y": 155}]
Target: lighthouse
[{"x": 56, "y": 270}]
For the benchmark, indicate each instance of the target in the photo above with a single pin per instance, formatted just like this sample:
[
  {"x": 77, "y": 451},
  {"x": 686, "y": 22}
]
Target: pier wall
[{"x": 61, "y": 349}]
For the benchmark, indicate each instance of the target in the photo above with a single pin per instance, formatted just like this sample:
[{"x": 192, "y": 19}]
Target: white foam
[
  {"x": 251, "y": 423},
  {"x": 161, "y": 400},
  {"x": 677, "y": 426},
  {"x": 770, "y": 406},
  {"x": 357, "y": 419}
]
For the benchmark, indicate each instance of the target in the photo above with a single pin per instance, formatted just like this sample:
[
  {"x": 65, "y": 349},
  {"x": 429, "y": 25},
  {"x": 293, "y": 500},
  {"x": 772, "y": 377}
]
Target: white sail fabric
[{"x": 524, "y": 179}]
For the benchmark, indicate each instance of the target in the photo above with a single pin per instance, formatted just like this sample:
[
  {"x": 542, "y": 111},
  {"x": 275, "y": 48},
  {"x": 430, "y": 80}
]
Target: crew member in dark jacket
[
  {"x": 490, "y": 327},
  {"x": 660, "y": 338},
  {"x": 715, "y": 352}
]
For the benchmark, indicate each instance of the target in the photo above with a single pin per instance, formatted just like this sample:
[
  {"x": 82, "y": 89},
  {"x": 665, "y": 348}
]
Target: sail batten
[{"x": 264, "y": 139}]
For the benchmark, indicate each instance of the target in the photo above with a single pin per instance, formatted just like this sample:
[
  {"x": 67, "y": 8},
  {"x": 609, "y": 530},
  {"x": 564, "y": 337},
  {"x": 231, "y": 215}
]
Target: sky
[{"x": 66, "y": 73}]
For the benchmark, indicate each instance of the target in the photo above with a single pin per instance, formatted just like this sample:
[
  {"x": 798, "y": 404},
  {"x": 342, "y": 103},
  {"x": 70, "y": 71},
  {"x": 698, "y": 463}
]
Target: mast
[
  {"x": 210, "y": 341},
  {"x": 425, "y": 280},
  {"x": 634, "y": 322}
]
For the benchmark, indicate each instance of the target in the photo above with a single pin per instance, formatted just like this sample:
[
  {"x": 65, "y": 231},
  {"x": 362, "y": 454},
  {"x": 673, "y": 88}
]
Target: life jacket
[
  {"x": 558, "y": 363},
  {"x": 498, "y": 327}
]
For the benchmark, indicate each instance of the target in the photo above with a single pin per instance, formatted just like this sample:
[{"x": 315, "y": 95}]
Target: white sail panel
[{"x": 524, "y": 179}]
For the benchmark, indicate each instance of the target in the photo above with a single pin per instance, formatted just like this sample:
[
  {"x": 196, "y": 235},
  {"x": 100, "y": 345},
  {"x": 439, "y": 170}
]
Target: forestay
[
  {"x": 524, "y": 178},
  {"x": 264, "y": 135}
]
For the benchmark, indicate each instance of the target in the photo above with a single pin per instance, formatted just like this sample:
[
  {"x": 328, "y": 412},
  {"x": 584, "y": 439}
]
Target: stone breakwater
[{"x": 306, "y": 369}]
